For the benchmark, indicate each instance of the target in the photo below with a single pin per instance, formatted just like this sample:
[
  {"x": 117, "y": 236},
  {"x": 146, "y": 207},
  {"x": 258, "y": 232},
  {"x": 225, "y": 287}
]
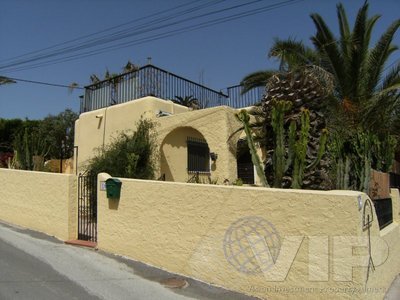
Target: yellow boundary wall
[
  {"x": 184, "y": 228},
  {"x": 41, "y": 201},
  {"x": 181, "y": 228}
]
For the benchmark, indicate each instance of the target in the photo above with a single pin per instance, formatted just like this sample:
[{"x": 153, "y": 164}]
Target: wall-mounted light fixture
[{"x": 213, "y": 156}]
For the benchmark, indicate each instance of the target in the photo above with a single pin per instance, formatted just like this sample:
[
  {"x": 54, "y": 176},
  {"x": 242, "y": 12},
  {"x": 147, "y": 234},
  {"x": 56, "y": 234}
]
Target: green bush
[{"x": 129, "y": 155}]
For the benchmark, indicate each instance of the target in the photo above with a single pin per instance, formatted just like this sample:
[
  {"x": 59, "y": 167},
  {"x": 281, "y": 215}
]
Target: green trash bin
[{"x": 113, "y": 187}]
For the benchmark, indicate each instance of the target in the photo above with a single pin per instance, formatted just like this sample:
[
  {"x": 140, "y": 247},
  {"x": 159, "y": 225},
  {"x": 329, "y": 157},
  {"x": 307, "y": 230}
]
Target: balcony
[{"x": 153, "y": 81}]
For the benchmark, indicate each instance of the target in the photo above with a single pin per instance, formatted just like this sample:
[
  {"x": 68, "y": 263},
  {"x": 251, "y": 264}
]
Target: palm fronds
[{"x": 256, "y": 79}]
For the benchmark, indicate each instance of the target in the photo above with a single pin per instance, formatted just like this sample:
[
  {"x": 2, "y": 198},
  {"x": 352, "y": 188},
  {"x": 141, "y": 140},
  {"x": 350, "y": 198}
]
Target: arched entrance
[{"x": 183, "y": 153}]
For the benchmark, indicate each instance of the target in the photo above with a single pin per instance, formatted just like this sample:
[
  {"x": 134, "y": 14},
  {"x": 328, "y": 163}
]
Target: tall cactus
[
  {"x": 244, "y": 118},
  {"x": 297, "y": 147},
  {"x": 277, "y": 119},
  {"x": 291, "y": 144},
  {"x": 342, "y": 161},
  {"x": 343, "y": 173},
  {"x": 301, "y": 145},
  {"x": 362, "y": 143},
  {"x": 29, "y": 144}
]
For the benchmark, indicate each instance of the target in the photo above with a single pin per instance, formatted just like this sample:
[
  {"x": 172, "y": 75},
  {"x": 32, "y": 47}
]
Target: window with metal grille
[{"x": 198, "y": 155}]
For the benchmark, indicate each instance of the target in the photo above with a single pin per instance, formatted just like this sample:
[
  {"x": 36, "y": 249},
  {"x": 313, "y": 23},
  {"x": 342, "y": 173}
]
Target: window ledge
[{"x": 200, "y": 172}]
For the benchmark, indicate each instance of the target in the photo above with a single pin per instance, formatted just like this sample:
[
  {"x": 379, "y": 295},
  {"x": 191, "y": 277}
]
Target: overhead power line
[
  {"x": 46, "y": 61},
  {"x": 71, "y": 86},
  {"x": 96, "y": 33},
  {"x": 131, "y": 31}
]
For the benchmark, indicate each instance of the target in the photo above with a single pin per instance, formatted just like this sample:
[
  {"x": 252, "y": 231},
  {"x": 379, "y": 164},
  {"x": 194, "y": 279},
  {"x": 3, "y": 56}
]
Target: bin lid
[{"x": 114, "y": 180}]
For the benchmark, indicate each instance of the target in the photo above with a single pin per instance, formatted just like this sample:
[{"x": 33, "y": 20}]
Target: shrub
[{"x": 129, "y": 155}]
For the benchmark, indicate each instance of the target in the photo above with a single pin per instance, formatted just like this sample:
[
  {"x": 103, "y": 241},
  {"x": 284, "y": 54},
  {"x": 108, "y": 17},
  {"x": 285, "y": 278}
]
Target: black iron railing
[
  {"x": 153, "y": 81},
  {"x": 238, "y": 99},
  {"x": 148, "y": 81}
]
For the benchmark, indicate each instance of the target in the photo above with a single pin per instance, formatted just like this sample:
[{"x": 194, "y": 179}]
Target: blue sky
[{"x": 220, "y": 55}]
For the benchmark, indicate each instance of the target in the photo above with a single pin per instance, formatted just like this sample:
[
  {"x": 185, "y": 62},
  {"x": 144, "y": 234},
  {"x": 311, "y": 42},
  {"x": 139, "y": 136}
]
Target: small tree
[
  {"x": 30, "y": 144},
  {"x": 58, "y": 131},
  {"x": 52, "y": 137},
  {"x": 129, "y": 156}
]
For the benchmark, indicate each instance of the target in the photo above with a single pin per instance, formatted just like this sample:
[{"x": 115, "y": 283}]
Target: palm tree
[
  {"x": 292, "y": 55},
  {"x": 114, "y": 79},
  {"x": 130, "y": 67},
  {"x": 188, "y": 101},
  {"x": 367, "y": 96},
  {"x": 6, "y": 80},
  {"x": 364, "y": 92},
  {"x": 364, "y": 98}
]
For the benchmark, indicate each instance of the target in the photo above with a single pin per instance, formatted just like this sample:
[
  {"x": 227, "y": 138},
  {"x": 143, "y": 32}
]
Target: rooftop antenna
[{"x": 149, "y": 60}]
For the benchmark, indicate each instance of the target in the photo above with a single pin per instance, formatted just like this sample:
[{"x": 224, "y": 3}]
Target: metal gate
[{"x": 87, "y": 208}]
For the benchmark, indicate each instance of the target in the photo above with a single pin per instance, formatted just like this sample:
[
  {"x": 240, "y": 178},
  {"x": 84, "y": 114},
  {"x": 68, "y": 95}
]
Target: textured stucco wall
[
  {"x": 181, "y": 228},
  {"x": 216, "y": 125},
  {"x": 173, "y": 153},
  {"x": 391, "y": 237},
  {"x": 97, "y": 128},
  {"x": 41, "y": 201}
]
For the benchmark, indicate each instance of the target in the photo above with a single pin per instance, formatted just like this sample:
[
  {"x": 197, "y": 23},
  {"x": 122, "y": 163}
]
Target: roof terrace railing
[
  {"x": 238, "y": 99},
  {"x": 153, "y": 81},
  {"x": 147, "y": 81}
]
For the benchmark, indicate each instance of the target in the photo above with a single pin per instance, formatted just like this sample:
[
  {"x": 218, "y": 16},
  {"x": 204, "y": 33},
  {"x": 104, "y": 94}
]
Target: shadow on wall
[{"x": 173, "y": 153}]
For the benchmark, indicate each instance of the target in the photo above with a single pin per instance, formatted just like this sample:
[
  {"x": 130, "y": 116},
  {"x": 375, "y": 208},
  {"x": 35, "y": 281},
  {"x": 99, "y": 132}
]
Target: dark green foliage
[
  {"x": 58, "y": 131},
  {"x": 354, "y": 156},
  {"x": 388, "y": 148},
  {"x": 366, "y": 115},
  {"x": 8, "y": 130},
  {"x": 300, "y": 150},
  {"x": 277, "y": 121},
  {"x": 50, "y": 138},
  {"x": 188, "y": 101},
  {"x": 361, "y": 87},
  {"x": 130, "y": 155},
  {"x": 350, "y": 87},
  {"x": 290, "y": 154},
  {"x": 361, "y": 146},
  {"x": 256, "y": 79},
  {"x": 30, "y": 147}
]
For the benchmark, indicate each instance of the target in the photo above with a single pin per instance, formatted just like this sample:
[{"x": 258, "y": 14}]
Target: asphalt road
[
  {"x": 25, "y": 277},
  {"x": 35, "y": 266}
]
